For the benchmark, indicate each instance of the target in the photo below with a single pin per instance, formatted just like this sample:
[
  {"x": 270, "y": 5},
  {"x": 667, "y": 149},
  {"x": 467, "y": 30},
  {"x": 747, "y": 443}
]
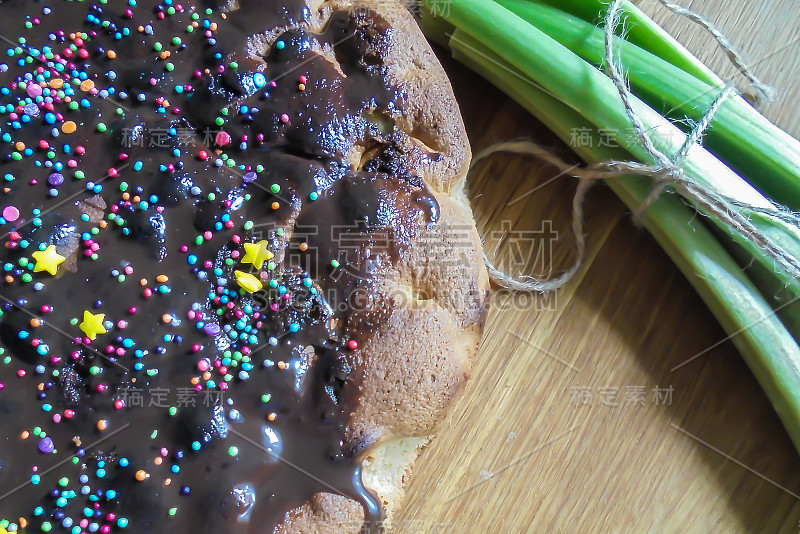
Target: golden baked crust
[{"x": 432, "y": 304}]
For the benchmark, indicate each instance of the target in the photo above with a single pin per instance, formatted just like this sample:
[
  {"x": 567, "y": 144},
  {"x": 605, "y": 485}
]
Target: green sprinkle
[{"x": 233, "y": 451}]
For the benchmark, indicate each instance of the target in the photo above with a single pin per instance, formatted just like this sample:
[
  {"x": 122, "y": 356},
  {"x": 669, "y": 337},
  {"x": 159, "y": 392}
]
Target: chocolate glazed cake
[{"x": 241, "y": 283}]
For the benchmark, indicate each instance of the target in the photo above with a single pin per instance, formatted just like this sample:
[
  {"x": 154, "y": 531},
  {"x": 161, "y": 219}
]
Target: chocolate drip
[{"x": 183, "y": 158}]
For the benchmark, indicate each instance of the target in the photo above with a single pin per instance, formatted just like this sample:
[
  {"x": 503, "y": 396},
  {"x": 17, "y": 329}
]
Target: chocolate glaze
[{"x": 362, "y": 218}]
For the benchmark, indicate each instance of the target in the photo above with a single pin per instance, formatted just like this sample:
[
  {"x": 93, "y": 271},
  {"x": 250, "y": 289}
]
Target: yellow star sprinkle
[
  {"x": 248, "y": 282},
  {"x": 2, "y": 530},
  {"x": 47, "y": 260},
  {"x": 256, "y": 253},
  {"x": 92, "y": 324}
]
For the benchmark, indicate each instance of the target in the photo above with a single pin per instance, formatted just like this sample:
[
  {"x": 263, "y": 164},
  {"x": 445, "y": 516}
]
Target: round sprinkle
[{"x": 10, "y": 213}]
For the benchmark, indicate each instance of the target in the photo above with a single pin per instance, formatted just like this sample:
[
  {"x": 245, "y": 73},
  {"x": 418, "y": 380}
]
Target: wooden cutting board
[{"x": 576, "y": 419}]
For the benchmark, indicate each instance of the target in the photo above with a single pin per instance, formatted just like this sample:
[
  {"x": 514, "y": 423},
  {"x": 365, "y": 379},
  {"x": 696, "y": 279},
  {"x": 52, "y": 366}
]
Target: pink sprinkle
[
  {"x": 203, "y": 365},
  {"x": 184, "y": 248},
  {"x": 222, "y": 138},
  {"x": 33, "y": 90},
  {"x": 284, "y": 118},
  {"x": 128, "y": 269},
  {"x": 56, "y": 417},
  {"x": 132, "y": 310},
  {"x": 10, "y": 213},
  {"x": 207, "y": 235}
]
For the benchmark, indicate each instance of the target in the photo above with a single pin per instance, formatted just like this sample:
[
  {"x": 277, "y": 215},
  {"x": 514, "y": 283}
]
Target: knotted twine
[{"x": 665, "y": 171}]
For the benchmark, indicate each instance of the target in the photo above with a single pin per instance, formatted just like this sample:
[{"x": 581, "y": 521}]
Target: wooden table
[{"x": 574, "y": 421}]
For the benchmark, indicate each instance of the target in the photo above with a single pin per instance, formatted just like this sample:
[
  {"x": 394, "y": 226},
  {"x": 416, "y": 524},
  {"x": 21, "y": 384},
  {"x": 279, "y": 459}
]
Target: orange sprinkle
[
  {"x": 163, "y": 278},
  {"x": 167, "y": 481},
  {"x": 111, "y": 54},
  {"x": 167, "y": 318},
  {"x": 158, "y": 460},
  {"x": 22, "y": 522},
  {"x": 36, "y": 322},
  {"x": 213, "y": 26},
  {"x": 302, "y": 87},
  {"x": 275, "y": 205},
  {"x": 272, "y": 416},
  {"x": 143, "y": 282},
  {"x": 9, "y": 279},
  {"x": 281, "y": 365},
  {"x": 303, "y": 246},
  {"x": 87, "y": 85},
  {"x": 56, "y": 83},
  {"x": 126, "y": 196},
  {"x": 136, "y": 199},
  {"x": 206, "y": 376},
  {"x": 102, "y": 425},
  {"x": 68, "y": 127},
  {"x": 141, "y": 475},
  {"x": 140, "y": 29},
  {"x": 103, "y": 224},
  {"x": 20, "y": 146},
  {"x": 195, "y": 380},
  {"x": 164, "y": 55},
  {"x": 40, "y": 386},
  {"x": 25, "y": 434}
]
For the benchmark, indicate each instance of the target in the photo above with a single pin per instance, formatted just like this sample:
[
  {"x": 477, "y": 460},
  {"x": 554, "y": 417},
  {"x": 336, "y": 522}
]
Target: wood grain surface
[{"x": 574, "y": 421}]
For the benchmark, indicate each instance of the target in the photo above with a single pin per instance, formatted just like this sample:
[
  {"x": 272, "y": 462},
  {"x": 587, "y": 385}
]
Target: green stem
[
  {"x": 581, "y": 87},
  {"x": 751, "y": 145},
  {"x": 640, "y": 30},
  {"x": 766, "y": 345}
]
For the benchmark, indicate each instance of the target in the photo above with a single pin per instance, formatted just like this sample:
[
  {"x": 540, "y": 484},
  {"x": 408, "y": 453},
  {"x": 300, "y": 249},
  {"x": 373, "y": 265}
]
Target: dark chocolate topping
[{"x": 142, "y": 141}]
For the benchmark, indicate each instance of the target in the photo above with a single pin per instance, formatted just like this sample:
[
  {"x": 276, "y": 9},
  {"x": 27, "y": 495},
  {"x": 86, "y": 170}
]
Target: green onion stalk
[{"x": 565, "y": 90}]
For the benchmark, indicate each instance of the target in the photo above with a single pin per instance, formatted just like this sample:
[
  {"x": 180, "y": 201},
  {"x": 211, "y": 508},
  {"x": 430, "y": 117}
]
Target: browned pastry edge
[{"x": 435, "y": 299}]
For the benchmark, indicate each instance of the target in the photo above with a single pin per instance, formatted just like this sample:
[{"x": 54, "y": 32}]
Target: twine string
[{"x": 666, "y": 172}]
